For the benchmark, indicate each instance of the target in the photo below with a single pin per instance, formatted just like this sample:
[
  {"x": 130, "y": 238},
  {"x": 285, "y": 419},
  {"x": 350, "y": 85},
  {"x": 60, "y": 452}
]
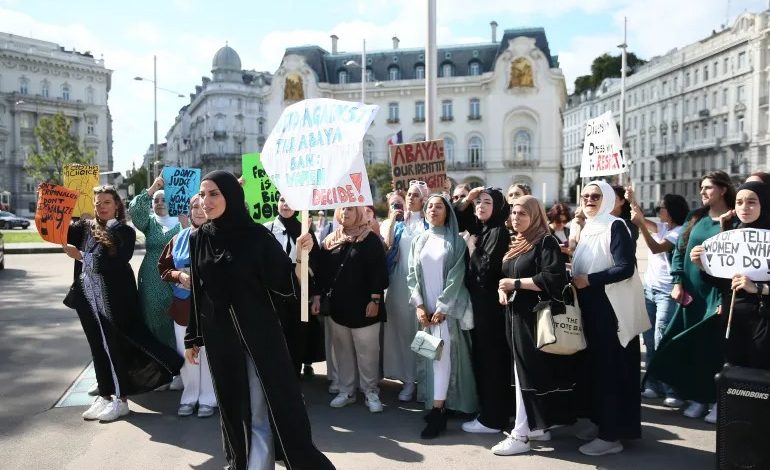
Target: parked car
[
  {"x": 9, "y": 221},
  {"x": 2, "y": 251}
]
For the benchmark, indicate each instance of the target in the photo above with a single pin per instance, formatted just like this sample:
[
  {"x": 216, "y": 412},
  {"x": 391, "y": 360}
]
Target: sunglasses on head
[
  {"x": 418, "y": 183},
  {"x": 592, "y": 197}
]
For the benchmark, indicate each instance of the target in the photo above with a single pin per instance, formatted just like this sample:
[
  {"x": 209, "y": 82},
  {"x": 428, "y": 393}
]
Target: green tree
[
  {"x": 138, "y": 178},
  {"x": 380, "y": 179},
  {"x": 57, "y": 147},
  {"x": 604, "y": 66}
]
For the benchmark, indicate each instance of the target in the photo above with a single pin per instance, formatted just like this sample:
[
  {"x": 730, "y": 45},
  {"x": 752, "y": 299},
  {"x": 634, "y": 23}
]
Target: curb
[{"x": 11, "y": 250}]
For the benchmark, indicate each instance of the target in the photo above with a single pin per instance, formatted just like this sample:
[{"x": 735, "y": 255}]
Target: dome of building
[{"x": 226, "y": 59}]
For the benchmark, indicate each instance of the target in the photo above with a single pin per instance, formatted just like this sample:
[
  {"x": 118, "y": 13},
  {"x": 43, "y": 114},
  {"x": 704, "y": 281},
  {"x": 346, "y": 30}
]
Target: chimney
[
  {"x": 493, "y": 24},
  {"x": 395, "y": 42},
  {"x": 334, "y": 43}
]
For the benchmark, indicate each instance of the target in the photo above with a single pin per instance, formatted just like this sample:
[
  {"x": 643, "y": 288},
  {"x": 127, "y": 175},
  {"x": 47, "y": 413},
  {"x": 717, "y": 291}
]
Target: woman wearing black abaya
[
  {"x": 238, "y": 269},
  {"x": 490, "y": 352}
]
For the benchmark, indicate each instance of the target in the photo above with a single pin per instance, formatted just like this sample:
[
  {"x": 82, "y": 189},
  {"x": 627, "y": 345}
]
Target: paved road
[{"x": 43, "y": 351}]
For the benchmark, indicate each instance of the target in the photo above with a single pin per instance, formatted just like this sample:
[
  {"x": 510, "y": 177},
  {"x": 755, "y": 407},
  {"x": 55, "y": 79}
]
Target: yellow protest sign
[{"x": 82, "y": 178}]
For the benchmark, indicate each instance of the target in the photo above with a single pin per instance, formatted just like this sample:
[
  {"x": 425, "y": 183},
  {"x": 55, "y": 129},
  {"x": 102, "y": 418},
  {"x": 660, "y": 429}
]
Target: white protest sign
[
  {"x": 314, "y": 154},
  {"x": 742, "y": 251},
  {"x": 602, "y": 149}
]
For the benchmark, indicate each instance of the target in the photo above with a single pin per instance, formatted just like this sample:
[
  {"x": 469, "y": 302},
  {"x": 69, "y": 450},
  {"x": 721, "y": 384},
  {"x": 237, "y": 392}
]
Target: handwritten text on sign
[
  {"x": 602, "y": 149},
  {"x": 54, "y": 211},
  {"x": 418, "y": 161},
  {"x": 261, "y": 194},
  {"x": 82, "y": 178},
  {"x": 742, "y": 251},
  {"x": 179, "y": 185},
  {"x": 314, "y": 154}
]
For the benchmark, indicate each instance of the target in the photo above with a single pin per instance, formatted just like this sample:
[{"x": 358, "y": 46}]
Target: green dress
[
  {"x": 689, "y": 354},
  {"x": 154, "y": 294}
]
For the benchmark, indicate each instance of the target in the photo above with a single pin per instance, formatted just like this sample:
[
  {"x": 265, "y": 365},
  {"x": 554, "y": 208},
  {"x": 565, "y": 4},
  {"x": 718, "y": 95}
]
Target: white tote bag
[{"x": 627, "y": 300}]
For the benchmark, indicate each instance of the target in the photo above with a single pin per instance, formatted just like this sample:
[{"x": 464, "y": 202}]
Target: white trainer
[
  {"x": 342, "y": 399},
  {"x": 373, "y": 402},
  {"x": 711, "y": 417},
  {"x": 601, "y": 447},
  {"x": 406, "y": 393},
  {"x": 176, "y": 383},
  {"x": 114, "y": 410},
  {"x": 695, "y": 410},
  {"x": 511, "y": 445},
  {"x": 96, "y": 407},
  {"x": 476, "y": 427},
  {"x": 673, "y": 402},
  {"x": 649, "y": 393}
]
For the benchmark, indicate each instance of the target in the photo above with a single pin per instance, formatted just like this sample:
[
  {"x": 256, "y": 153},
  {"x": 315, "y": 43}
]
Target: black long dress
[
  {"x": 118, "y": 338},
  {"x": 547, "y": 381},
  {"x": 608, "y": 385}
]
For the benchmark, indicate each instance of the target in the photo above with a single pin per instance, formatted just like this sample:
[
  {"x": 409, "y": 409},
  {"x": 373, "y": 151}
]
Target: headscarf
[
  {"x": 235, "y": 218},
  {"x": 763, "y": 193},
  {"x": 421, "y": 186},
  {"x": 538, "y": 227},
  {"x": 593, "y": 252},
  {"x": 500, "y": 209},
  {"x": 357, "y": 232},
  {"x": 166, "y": 221},
  {"x": 292, "y": 225}
]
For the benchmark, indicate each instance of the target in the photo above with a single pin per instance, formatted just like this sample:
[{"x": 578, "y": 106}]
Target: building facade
[
  {"x": 696, "y": 109},
  {"x": 499, "y": 106},
  {"x": 39, "y": 79}
]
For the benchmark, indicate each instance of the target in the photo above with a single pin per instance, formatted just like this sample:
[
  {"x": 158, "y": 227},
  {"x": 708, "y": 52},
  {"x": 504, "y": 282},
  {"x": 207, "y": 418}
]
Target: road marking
[{"x": 77, "y": 393}]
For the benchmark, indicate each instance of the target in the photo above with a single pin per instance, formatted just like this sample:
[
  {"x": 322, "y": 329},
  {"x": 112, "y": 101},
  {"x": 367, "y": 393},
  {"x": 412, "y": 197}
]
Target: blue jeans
[{"x": 660, "y": 309}]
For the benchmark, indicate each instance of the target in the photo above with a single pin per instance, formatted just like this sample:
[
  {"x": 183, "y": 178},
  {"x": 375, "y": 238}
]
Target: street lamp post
[{"x": 362, "y": 66}]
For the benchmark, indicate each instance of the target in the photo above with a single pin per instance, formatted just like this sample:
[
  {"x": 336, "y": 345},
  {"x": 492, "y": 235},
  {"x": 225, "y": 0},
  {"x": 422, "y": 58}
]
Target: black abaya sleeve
[
  {"x": 75, "y": 233},
  {"x": 622, "y": 250},
  {"x": 486, "y": 262},
  {"x": 466, "y": 219},
  {"x": 124, "y": 238},
  {"x": 724, "y": 285},
  {"x": 373, "y": 252},
  {"x": 552, "y": 274}
]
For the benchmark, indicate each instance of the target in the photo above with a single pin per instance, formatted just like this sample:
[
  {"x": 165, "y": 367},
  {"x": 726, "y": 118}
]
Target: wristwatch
[
  {"x": 375, "y": 300},
  {"x": 517, "y": 284}
]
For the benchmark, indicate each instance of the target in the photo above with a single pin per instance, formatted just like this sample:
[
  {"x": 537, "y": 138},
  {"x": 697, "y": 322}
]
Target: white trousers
[
  {"x": 198, "y": 386},
  {"x": 262, "y": 452},
  {"x": 442, "y": 369},
  {"x": 521, "y": 425},
  {"x": 331, "y": 362},
  {"x": 357, "y": 350}
]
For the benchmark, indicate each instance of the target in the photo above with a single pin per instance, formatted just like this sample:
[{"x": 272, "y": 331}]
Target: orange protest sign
[
  {"x": 54, "y": 211},
  {"x": 418, "y": 161}
]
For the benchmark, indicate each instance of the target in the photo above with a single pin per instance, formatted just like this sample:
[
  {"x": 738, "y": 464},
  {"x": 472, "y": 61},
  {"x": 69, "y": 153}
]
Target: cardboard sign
[
  {"x": 418, "y": 161},
  {"x": 314, "y": 154},
  {"x": 83, "y": 179},
  {"x": 179, "y": 185},
  {"x": 602, "y": 149},
  {"x": 55, "y": 205},
  {"x": 261, "y": 194},
  {"x": 741, "y": 251}
]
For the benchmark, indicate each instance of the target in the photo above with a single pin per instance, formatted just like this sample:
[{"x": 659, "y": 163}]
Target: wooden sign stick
[
  {"x": 730, "y": 316},
  {"x": 305, "y": 259}
]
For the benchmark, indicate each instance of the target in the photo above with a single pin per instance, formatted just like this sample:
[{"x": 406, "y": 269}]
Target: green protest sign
[{"x": 261, "y": 194}]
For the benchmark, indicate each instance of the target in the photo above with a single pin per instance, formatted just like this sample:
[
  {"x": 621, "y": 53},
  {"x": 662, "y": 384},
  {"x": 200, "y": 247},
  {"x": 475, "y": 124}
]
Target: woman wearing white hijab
[
  {"x": 150, "y": 216},
  {"x": 603, "y": 270}
]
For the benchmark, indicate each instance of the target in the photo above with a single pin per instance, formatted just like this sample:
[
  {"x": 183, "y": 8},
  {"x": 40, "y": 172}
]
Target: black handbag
[{"x": 326, "y": 298}]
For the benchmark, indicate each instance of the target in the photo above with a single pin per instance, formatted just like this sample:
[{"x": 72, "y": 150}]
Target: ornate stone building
[{"x": 39, "y": 79}]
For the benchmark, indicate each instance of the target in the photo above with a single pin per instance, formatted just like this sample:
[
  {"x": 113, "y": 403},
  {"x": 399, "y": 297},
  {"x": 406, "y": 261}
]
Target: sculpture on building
[
  {"x": 521, "y": 73},
  {"x": 292, "y": 88}
]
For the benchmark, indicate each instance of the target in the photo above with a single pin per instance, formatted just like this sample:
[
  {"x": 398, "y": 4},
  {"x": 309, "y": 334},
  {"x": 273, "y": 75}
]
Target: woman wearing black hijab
[
  {"x": 238, "y": 270},
  {"x": 490, "y": 353}
]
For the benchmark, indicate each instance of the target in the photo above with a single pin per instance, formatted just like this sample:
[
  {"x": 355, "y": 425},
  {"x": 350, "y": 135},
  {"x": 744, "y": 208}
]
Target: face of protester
[
  {"x": 197, "y": 216},
  {"x": 284, "y": 210},
  {"x": 484, "y": 207},
  {"x": 159, "y": 205},
  {"x": 747, "y": 206},
  {"x": 520, "y": 218},
  {"x": 369, "y": 214},
  {"x": 459, "y": 194},
  {"x": 435, "y": 212},
  {"x": 513, "y": 193},
  {"x": 105, "y": 206},
  {"x": 560, "y": 221},
  {"x": 414, "y": 199},
  {"x": 213, "y": 202},
  {"x": 591, "y": 200},
  {"x": 710, "y": 193},
  {"x": 348, "y": 217},
  {"x": 665, "y": 217},
  {"x": 619, "y": 201}
]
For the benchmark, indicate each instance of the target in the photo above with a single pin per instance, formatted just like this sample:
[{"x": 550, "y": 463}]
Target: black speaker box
[{"x": 743, "y": 423}]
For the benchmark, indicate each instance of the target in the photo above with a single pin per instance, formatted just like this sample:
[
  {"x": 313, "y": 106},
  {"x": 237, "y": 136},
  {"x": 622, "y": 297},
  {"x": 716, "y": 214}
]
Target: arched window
[
  {"x": 369, "y": 151},
  {"x": 23, "y": 86},
  {"x": 475, "y": 152},
  {"x": 419, "y": 72},
  {"x": 447, "y": 69},
  {"x": 475, "y": 68},
  {"x": 449, "y": 150},
  {"x": 522, "y": 146},
  {"x": 394, "y": 73},
  {"x": 342, "y": 77}
]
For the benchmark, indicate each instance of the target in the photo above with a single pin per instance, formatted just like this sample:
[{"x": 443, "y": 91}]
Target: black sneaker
[{"x": 436, "y": 420}]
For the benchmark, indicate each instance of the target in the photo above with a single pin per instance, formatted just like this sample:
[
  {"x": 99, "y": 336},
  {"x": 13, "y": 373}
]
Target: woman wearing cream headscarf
[{"x": 603, "y": 263}]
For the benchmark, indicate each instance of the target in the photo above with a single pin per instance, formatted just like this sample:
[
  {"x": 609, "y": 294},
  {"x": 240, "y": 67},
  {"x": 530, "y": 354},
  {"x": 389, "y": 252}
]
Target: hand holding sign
[{"x": 54, "y": 211}]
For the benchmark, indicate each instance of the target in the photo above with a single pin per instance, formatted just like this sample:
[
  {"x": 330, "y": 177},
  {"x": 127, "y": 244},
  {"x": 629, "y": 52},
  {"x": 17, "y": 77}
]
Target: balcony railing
[
  {"x": 393, "y": 121},
  {"x": 419, "y": 119},
  {"x": 521, "y": 163},
  {"x": 447, "y": 118},
  {"x": 456, "y": 166}
]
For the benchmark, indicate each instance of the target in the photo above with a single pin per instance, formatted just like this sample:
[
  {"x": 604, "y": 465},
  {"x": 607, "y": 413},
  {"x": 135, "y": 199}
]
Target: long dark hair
[
  {"x": 718, "y": 178},
  {"x": 99, "y": 227},
  {"x": 677, "y": 208}
]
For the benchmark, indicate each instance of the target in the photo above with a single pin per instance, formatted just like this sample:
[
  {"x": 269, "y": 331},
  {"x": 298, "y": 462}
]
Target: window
[
  {"x": 475, "y": 151},
  {"x": 393, "y": 112},
  {"x": 65, "y": 92},
  {"x": 394, "y": 73},
  {"x": 725, "y": 65},
  {"x": 369, "y": 151},
  {"x": 24, "y": 121},
  {"x": 741, "y": 93},
  {"x": 642, "y": 175},
  {"x": 44, "y": 87},
  {"x": 23, "y": 86},
  {"x": 342, "y": 77},
  {"x": 695, "y": 76},
  {"x": 447, "y": 69},
  {"x": 369, "y": 75},
  {"x": 724, "y": 127},
  {"x": 705, "y": 73},
  {"x": 714, "y": 68},
  {"x": 90, "y": 127},
  {"x": 724, "y": 97},
  {"x": 676, "y": 85},
  {"x": 475, "y": 107},
  {"x": 705, "y": 131},
  {"x": 90, "y": 96},
  {"x": 652, "y": 171},
  {"x": 687, "y": 79},
  {"x": 741, "y": 60},
  {"x": 419, "y": 111},
  {"x": 446, "y": 110},
  {"x": 714, "y": 99},
  {"x": 449, "y": 149},
  {"x": 475, "y": 68},
  {"x": 419, "y": 72},
  {"x": 261, "y": 127},
  {"x": 522, "y": 146}
]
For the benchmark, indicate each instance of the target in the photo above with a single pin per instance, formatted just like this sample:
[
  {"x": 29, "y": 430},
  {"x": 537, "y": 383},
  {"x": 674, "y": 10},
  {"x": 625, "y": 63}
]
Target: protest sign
[
  {"x": 418, "y": 161},
  {"x": 83, "y": 179},
  {"x": 179, "y": 185},
  {"x": 54, "y": 211},
  {"x": 314, "y": 154},
  {"x": 261, "y": 194},
  {"x": 602, "y": 149},
  {"x": 742, "y": 251}
]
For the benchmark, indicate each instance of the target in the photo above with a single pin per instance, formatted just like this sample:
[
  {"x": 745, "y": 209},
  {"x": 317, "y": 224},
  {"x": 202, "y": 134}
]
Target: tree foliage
[
  {"x": 604, "y": 66},
  {"x": 380, "y": 179},
  {"x": 57, "y": 147},
  {"x": 137, "y": 177}
]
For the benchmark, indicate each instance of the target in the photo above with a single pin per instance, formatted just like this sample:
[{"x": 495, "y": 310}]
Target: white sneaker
[
  {"x": 176, "y": 383},
  {"x": 695, "y": 410},
  {"x": 406, "y": 393},
  {"x": 673, "y": 402},
  {"x": 476, "y": 427},
  {"x": 649, "y": 393},
  {"x": 185, "y": 409},
  {"x": 588, "y": 434},
  {"x": 511, "y": 445},
  {"x": 96, "y": 407},
  {"x": 334, "y": 389},
  {"x": 114, "y": 410},
  {"x": 373, "y": 402},
  {"x": 539, "y": 435},
  {"x": 601, "y": 447},
  {"x": 342, "y": 399},
  {"x": 94, "y": 390},
  {"x": 711, "y": 417}
]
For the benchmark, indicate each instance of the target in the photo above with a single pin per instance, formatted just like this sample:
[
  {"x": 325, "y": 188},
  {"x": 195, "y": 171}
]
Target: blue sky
[{"x": 185, "y": 34}]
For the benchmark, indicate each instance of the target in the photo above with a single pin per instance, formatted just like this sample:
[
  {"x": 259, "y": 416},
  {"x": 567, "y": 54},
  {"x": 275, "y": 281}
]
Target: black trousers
[{"x": 106, "y": 350}]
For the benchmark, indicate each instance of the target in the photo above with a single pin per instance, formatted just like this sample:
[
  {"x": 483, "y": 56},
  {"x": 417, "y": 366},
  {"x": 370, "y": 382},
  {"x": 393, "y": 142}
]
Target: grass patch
[{"x": 21, "y": 236}]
